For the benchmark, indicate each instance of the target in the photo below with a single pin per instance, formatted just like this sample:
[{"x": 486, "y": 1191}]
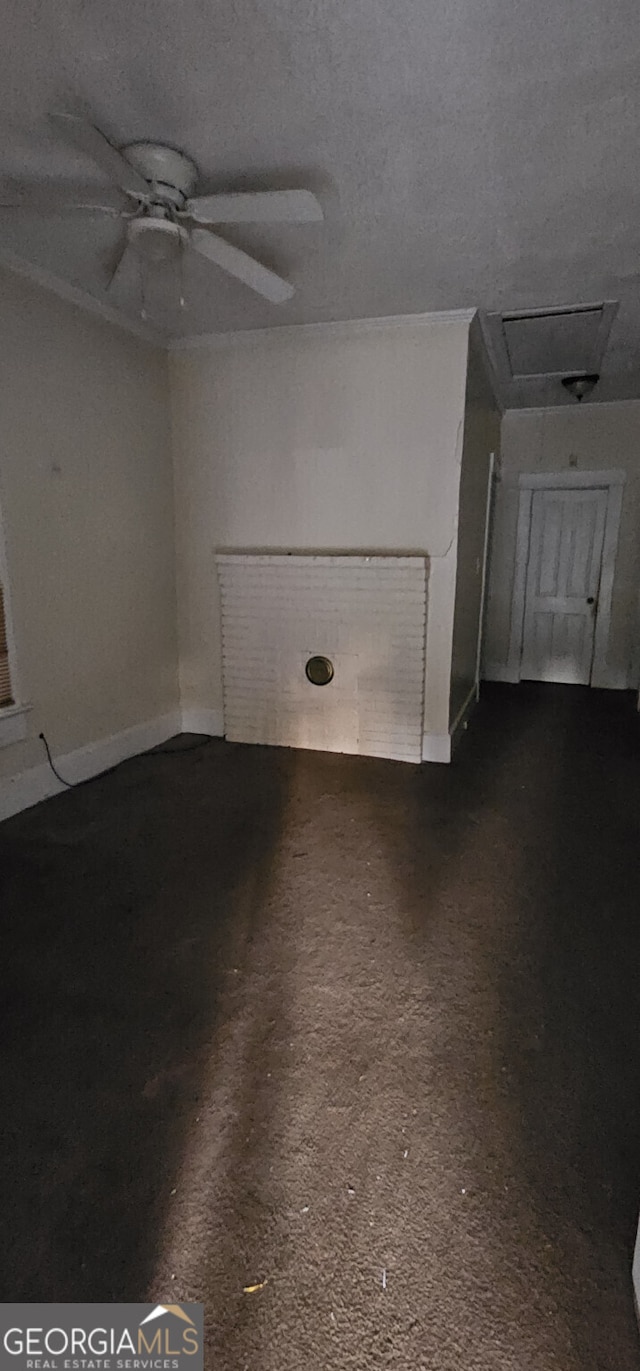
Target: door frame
[
  {"x": 488, "y": 519},
  {"x": 611, "y": 481}
]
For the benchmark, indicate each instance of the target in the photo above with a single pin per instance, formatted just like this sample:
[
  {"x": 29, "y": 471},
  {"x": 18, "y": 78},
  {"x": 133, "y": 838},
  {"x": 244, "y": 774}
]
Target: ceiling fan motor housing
[{"x": 172, "y": 177}]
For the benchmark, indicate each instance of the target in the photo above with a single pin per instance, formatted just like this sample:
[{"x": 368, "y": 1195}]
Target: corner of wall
[{"x": 86, "y": 453}]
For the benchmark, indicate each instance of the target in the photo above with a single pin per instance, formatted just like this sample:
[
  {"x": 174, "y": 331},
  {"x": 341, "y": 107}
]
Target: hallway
[{"x": 361, "y": 1034}]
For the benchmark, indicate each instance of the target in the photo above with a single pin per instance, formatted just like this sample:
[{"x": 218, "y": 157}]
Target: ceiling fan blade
[
  {"x": 256, "y": 207},
  {"x": 90, "y": 140},
  {"x": 38, "y": 197},
  {"x": 117, "y": 273},
  {"x": 239, "y": 264}
]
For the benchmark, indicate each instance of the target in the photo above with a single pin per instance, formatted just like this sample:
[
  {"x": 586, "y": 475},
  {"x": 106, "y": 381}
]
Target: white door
[{"x": 563, "y": 577}]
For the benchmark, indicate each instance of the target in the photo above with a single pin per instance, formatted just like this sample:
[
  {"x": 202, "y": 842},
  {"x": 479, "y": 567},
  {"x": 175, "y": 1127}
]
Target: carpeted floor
[{"x": 364, "y": 1032}]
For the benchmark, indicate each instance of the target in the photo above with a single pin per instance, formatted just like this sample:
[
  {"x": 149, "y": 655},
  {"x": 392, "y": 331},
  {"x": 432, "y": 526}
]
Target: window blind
[{"x": 6, "y": 697}]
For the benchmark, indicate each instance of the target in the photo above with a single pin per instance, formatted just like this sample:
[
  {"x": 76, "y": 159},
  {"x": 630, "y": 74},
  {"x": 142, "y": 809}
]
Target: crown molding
[
  {"x": 84, "y": 300},
  {"x": 75, "y": 295},
  {"x": 326, "y": 328}
]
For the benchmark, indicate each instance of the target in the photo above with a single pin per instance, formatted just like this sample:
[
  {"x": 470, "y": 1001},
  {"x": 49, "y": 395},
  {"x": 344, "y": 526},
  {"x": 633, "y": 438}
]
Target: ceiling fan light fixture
[
  {"x": 579, "y": 386},
  {"x": 156, "y": 240}
]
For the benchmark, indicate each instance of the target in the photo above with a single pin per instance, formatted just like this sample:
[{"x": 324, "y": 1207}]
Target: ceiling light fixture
[
  {"x": 579, "y": 386},
  {"x": 156, "y": 239}
]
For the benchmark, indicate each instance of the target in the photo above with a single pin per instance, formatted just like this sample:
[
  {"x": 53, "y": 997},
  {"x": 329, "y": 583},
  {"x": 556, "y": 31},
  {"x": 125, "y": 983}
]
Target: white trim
[
  {"x": 39, "y": 783},
  {"x": 209, "y": 721},
  {"x": 562, "y": 409},
  {"x": 462, "y": 717},
  {"x": 339, "y": 559},
  {"x": 635, "y": 1274},
  {"x": 608, "y": 310},
  {"x": 436, "y": 747},
  {"x": 75, "y": 295},
  {"x": 613, "y": 481},
  {"x": 571, "y": 479},
  {"x": 600, "y": 674},
  {"x": 439, "y": 747},
  {"x": 634, "y": 669},
  {"x": 549, "y": 311},
  {"x": 493, "y": 327},
  {"x": 516, "y": 630},
  {"x": 330, "y": 328},
  {"x": 14, "y": 667},
  {"x": 485, "y": 559},
  {"x": 496, "y": 671},
  {"x": 13, "y": 724},
  {"x": 613, "y": 680}
]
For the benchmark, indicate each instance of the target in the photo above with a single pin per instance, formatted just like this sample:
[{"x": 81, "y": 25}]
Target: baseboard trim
[
  {"x": 493, "y": 672},
  {"x": 462, "y": 717},
  {"x": 210, "y": 721},
  {"x": 601, "y": 680},
  {"x": 436, "y": 747},
  {"x": 439, "y": 747},
  {"x": 611, "y": 680},
  {"x": 39, "y": 783}
]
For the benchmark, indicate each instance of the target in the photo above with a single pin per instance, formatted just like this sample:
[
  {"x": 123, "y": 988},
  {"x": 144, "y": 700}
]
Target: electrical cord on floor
[
  {"x": 69, "y": 784},
  {"x": 157, "y": 751}
]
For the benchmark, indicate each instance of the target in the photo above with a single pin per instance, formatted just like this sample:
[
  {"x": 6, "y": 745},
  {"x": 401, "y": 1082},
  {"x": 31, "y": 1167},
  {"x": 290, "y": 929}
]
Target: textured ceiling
[{"x": 467, "y": 152}]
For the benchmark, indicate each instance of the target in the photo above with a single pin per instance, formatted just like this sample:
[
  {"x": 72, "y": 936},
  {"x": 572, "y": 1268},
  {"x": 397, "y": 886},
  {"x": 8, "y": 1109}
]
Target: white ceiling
[{"x": 467, "y": 152}]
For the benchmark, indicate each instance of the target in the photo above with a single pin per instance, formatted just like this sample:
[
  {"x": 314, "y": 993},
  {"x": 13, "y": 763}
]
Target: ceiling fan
[{"x": 162, "y": 216}]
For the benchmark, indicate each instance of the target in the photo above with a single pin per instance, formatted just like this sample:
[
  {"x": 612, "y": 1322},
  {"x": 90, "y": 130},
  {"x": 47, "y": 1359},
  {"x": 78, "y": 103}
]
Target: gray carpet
[{"x": 363, "y": 1035}]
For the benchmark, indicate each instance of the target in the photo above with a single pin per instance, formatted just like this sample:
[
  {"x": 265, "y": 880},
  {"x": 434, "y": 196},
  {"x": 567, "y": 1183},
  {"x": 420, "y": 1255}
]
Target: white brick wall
[{"x": 367, "y": 614}]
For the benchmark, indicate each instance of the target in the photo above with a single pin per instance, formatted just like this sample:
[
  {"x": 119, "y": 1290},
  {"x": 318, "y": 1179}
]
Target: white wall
[
  {"x": 481, "y": 438},
  {"x": 87, "y": 506},
  {"x": 344, "y": 438},
  {"x": 591, "y": 437}
]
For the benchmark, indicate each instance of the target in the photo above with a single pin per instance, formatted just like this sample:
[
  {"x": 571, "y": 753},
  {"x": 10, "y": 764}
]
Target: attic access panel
[
  {"x": 566, "y": 341},
  {"x": 544, "y": 343}
]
